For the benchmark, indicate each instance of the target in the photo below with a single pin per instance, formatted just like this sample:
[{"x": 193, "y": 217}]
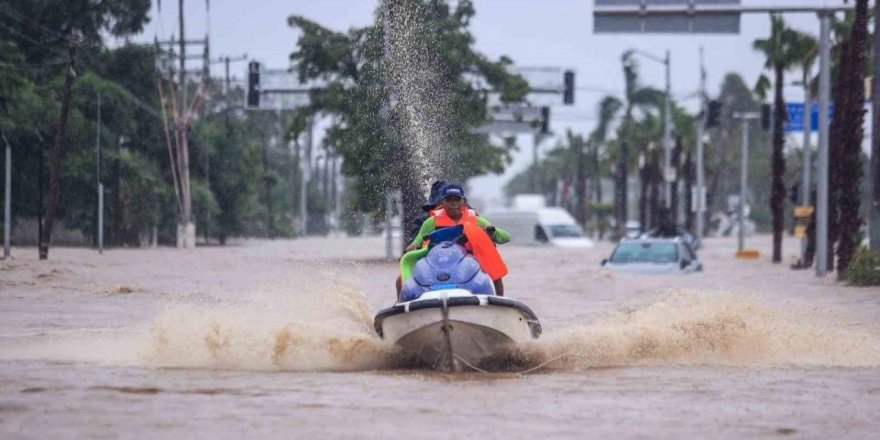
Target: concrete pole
[
  {"x": 667, "y": 135},
  {"x": 7, "y": 202},
  {"x": 305, "y": 171},
  {"x": 699, "y": 194},
  {"x": 387, "y": 109},
  {"x": 805, "y": 169},
  {"x": 99, "y": 230},
  {"x": 822, "y": 152},
  {"x": 743, "y": 182}
]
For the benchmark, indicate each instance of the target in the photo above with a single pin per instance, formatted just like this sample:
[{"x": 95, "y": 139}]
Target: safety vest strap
[{"x": 442, "y": 220}]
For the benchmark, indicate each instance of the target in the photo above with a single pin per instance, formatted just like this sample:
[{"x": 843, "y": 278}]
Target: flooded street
[{"x": 274, "y": 340}]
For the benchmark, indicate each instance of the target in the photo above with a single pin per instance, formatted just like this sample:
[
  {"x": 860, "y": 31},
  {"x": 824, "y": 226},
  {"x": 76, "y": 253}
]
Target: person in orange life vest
[{"x": 454, "y": 211}]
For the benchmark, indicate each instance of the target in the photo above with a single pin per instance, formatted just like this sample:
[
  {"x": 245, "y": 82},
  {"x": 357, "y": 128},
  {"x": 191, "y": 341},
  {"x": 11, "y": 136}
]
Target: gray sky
[{"x": 531, "y": 32}]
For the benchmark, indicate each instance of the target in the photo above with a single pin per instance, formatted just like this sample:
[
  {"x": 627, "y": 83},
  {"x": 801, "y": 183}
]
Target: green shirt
[{"x": 428, "y": 226}]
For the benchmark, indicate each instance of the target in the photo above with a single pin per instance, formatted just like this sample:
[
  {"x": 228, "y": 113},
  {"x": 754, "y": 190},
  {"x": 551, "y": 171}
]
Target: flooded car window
[
  {"x": 645, "y": 253},
  {"x": 564, "y": 231}
]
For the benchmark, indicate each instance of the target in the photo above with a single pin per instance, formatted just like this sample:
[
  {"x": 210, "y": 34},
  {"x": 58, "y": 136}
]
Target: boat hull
[{"x": 456, "y": 330}]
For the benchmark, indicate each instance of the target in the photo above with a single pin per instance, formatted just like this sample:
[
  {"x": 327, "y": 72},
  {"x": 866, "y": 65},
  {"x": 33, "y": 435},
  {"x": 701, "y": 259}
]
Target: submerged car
[{"x": 653, "y": 256}]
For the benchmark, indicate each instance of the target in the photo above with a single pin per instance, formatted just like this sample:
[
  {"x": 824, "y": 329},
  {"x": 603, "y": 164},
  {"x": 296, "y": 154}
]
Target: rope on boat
[{"x": 524, "y": 372}]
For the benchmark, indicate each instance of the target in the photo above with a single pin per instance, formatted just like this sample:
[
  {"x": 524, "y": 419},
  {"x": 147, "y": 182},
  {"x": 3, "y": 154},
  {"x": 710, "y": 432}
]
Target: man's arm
[
  {"x": 428, "y": 226},
  {"x": 501, "y": 236}
]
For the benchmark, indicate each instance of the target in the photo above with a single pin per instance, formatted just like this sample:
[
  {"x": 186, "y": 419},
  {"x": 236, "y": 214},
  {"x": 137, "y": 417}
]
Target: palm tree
[
  {"x": 629, "y": 133},
  {"x": 846, "y": 163},
  {"x": 780, "y": 51}
]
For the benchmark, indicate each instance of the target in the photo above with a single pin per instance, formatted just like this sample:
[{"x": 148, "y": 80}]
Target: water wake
[
  {"x": 333, "y": 332},
  {"x": 324, "y": 331},
  {"x": 686, "y": 328}
]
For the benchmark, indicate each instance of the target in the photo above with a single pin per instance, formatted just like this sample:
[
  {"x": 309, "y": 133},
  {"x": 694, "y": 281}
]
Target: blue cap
[
  {"x": 451, "y": 190},
  {"x": 434, "y": 198}
]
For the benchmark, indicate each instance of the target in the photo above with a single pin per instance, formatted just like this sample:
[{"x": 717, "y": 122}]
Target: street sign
[
  {"x": 277, "y": 89},
  {"x": 795, "y": 112},
  {"x": 668, "y": 16},
  {"x": 513, "y": 119}
]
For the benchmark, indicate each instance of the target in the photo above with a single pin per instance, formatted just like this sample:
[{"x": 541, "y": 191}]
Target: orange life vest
[
  {"x": 479, "y": 243},
  {"x": 443, "y": 220}
]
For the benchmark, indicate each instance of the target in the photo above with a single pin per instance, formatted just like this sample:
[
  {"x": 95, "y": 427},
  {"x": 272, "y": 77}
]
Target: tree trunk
[
  {"x": 689, "y": 177},
  {"x": 57, "y": 156},
  {"x": 656, "y": 179},
  {"x": 580, "y": 183},
  {"x": 645, "y": 183},
  {"x": 849, "y": 163},
  {"x": 836, "y": 133},
  {"x": 777, "y": 193},
  {"x": 621, "y": 196},
  {"x": 874, "y": 222}
]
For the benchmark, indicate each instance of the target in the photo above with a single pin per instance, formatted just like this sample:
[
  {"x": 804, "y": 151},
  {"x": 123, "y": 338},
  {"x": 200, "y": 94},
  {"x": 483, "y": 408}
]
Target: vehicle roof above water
[
  {"x": 667, "y": 240},
  {"x": 551, "y": 215}
]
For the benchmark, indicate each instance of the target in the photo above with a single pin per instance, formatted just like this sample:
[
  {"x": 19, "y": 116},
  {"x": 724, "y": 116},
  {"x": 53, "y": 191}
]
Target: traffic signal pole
[
  {"x": 822, "y": 151},
  {"x": 699, "y": 196},
  {"x": 608, "y": 16}
]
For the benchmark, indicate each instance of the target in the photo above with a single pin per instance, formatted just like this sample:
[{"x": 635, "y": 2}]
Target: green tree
[
  {"x": 780, "y": 51},
  {"x": 439, "y": 82},
  {"x": 846, "y": 135}
]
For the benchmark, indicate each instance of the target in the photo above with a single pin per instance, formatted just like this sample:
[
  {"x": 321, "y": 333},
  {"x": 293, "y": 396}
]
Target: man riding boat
[{"x": 481, "y": 235}]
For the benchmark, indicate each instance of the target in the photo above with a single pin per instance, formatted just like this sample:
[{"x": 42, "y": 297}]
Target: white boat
[{"x": 455, "y": 330}]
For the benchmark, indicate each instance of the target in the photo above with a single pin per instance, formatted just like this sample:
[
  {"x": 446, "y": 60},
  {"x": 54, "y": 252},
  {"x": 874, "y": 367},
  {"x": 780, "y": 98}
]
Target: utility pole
[
  {"x": 822, "y": 152},
  {"x": 699, "y": 195},
  {"x": 387, "y": 110},
  {"x": 175, "y": 101},
  {"x": 99, "y": 231},
  {"x": 667, "y": 136},
  {"x": 743, "y": 176},
  {"x": 7, "y": 201},
  {"x": 305, "y": 173},
  {"x": 874, "y": 175},
  {"x": 58, "y": 150}
]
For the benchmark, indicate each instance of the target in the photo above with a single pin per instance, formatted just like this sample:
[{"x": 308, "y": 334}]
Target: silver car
[{"x": 653, "y": 256}]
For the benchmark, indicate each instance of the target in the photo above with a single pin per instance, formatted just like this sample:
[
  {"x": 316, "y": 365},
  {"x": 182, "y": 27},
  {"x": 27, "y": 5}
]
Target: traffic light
[
  {"x": 253, "y": 90},
  {"x": 568, "y": 87},
  {"x": 766, "y": 116},
  {"x": 713, "y": 116},
  {"x": 545, "y": 120}
]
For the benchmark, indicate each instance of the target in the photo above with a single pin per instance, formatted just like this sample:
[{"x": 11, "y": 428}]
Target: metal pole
[
  {"x": 387, "y": 109},
  {"x": 182, "y": 67},
  {"x": 7, "y": 202},
  {"x": 743, "y": 181},
  {"x": 822, "y": 153},
  {"x": 667, "y": 135},
  {"x": 305, "y": 170},
  {"x": 805, "y": 169},
  {"x": 701, "y": 177},
  {"x": 99, "y": 230}
]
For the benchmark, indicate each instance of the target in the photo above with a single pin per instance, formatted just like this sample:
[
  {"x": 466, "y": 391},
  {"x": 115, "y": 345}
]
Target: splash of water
[
  {"x": 686, "y": 328},
  {"x": 418, "y": 90},
  {"x": 325, "y": 330}
]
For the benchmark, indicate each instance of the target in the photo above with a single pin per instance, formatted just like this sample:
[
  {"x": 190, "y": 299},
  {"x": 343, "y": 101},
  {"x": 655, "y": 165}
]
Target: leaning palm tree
[
  {"x": 846, "y": 162},
  {"x": 608, "y": 108},
  {"x": 779, "y": 49}
]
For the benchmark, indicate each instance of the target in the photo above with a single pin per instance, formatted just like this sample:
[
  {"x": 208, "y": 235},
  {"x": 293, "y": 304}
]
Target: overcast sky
[{"x": 556, "y": 33}]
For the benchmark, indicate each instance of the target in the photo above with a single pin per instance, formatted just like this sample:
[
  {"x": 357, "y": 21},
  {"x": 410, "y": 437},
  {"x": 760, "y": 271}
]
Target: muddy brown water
[{"x": 274, "y": 339}]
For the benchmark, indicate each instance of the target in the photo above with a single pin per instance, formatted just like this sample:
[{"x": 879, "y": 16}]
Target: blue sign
[{"x": 795, "y": 111}]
